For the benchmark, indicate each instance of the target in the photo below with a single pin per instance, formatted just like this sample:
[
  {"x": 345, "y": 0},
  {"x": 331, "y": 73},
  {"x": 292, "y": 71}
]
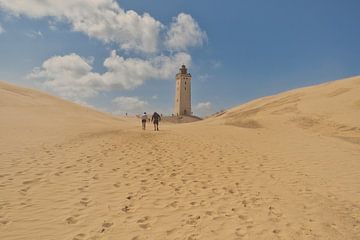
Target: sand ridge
[
  {"x": 330, "y": 109},
  {"x": 99, "y": 177}
]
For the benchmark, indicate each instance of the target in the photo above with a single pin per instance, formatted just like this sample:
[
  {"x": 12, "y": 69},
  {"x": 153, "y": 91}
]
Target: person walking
[
  {"x": 155, "y": 119},
  {"x": 144, "y": 118}
]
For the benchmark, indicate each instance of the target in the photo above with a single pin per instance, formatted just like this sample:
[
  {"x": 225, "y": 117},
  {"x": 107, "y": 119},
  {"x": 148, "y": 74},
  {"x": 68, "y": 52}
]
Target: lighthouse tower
[{"x": 183, "y": 93}]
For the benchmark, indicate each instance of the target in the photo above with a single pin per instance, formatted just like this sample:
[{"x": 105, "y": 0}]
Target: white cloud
[
  {"x": 2, "y": 30},
  {"x": 135, "y": 105},
  {"x": 107, "y": 21},
  {"x": 184, "y": 32},
  {"x": 203, "y": 108},
  {"x": 85, "y": 104},
  {"x": 34, "y": 34},
  {"x": 132, "y": 72},
  {"x": 52, "y": 25},
  {"x": 129, "y": 104},
  {"x": 203, "y": 78},
  {"x": 100, "y": 19},
  {"x": 71, "y": 76}
]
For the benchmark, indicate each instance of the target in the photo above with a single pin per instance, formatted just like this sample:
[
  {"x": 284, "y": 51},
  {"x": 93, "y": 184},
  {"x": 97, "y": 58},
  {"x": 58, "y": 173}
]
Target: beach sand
[{"x": 280, "y": 167}]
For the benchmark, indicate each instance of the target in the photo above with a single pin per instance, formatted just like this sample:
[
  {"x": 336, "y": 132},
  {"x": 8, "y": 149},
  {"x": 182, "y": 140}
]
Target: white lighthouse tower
[{"x": 183, "y": 93}]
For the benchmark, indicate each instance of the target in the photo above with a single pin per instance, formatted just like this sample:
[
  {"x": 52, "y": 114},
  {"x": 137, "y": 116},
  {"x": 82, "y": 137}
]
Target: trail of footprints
[{"x": 176, "y": 182}]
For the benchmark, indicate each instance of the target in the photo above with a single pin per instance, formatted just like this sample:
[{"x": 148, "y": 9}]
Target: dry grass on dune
[{"x": 281, "y": 167}]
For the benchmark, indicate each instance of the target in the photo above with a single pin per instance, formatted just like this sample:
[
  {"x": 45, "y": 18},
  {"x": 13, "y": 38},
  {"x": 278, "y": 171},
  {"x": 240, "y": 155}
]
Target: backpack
[{"x": 156, "y": 117}]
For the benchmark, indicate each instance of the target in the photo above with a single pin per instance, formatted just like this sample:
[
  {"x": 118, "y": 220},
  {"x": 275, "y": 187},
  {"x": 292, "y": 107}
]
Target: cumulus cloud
[
  {"x": 107, "y": 21},
  {"x": 34, "y": 34},
  {"x": 203, "y": 108},
  {"x": 100, "y": 19},
  {"x": 129, "y": 104},
  {"x": 52, "y": 25},
  {"x": 2, "y": 30},
  {"x": 71, "y": 76},
  {"x": 85, "y": 104},
  {"x": 132, "y": 72},
  {"x": 184, "y": 32}
]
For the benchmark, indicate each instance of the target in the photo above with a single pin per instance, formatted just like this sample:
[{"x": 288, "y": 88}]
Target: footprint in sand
[
  {"x": 193, "y": 236},
  {"x": 79, "y": 236},
  {"x": 105, "y": 226},
  {"x": 192, "y": 220},
  {"x": 241, "y": 232},
  {"x": 58, "y": 173},
  {"x": 273, "y": 211},
  {"x": 193, "y": 203},
  {"x": 31, "y": 181},
  {"x": 4, "y": 222},
  {"x": 83, "y": 188},
  {"x": 173, "y": 204},
  {"x": 143, "y": 222},
  {"x": 144, "y": 226},
  {"x": 24, "y": 190},
  {"x": 126, "y": 209},
  {"x": 209, "y": 213},
  {"x": 276, "y": 231},
  {"x": 85, "y": 201},
  {"x": 242, "y": 217},
  {"x": 72, "y": 220},
  {"x": 171, "y": 231}
]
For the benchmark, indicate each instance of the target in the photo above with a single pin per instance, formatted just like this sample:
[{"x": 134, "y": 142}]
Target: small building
[{"x": 183, "y": 93}]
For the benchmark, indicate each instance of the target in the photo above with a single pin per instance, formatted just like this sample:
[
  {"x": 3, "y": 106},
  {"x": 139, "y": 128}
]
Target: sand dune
[
  {"x": 280, "y": 167},
  {"x": 331, "y": 109},
  {"x": 32, "y": 117}
]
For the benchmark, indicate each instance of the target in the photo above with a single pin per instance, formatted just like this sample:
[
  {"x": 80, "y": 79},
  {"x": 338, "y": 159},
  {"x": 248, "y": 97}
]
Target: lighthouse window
[
  {"x": 185, "y": 83},
  {"x": 185, "y": 88}
]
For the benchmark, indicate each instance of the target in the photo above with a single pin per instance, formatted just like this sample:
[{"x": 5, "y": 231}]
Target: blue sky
[{"x": 236, "y": 50}]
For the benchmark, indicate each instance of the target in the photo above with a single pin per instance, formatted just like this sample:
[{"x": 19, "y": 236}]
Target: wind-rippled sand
[{"x": 281, "y": 167}]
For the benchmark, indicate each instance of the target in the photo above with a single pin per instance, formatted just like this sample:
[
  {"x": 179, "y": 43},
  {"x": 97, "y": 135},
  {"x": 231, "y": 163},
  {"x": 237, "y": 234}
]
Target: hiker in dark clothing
[{"x": 155, "y": 119}]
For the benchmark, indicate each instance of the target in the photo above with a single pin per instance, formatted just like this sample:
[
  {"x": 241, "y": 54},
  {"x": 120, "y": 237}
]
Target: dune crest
[{"x": 331, "y": 109}]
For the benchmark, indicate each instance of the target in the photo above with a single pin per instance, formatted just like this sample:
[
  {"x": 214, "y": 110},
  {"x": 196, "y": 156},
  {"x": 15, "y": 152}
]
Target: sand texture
[{"x": 280, "y": 167}]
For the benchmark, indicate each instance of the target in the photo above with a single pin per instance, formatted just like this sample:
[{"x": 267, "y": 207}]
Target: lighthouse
[{"x": 183, "y": 93}]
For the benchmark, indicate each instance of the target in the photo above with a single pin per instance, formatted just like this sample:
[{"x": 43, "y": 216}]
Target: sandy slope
[{"x": 281, "y": 167}]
